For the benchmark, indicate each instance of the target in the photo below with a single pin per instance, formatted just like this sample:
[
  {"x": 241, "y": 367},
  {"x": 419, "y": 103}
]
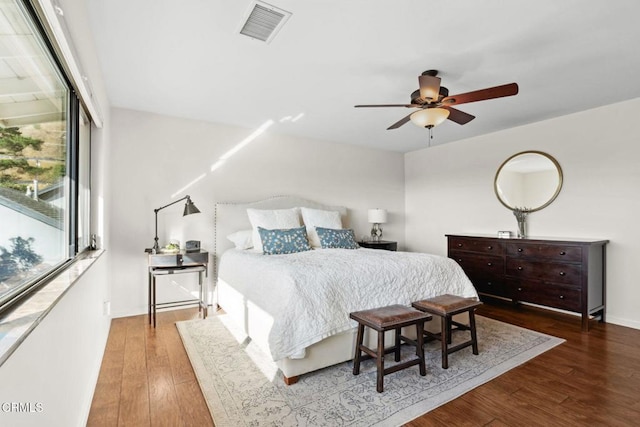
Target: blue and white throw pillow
[
  {"x": 337, "y": 238},
  {"x": 284, "y": 241}
]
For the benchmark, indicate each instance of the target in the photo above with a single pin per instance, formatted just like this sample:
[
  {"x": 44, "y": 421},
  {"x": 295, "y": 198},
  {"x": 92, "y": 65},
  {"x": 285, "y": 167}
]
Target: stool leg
[
  {"x": 356, "y": 357},
  {"x": 380, "y": 362},
  {"x": 420, "y": 347},
  {"x": 448, "y": 329},
  {"x": 397, "y": 344},
  {"x": 444, "y": 322},
  {"x": 474, "y": 337}
]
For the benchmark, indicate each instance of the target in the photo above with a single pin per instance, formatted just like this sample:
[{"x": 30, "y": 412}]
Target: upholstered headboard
[{"x": 232, "y": 217}]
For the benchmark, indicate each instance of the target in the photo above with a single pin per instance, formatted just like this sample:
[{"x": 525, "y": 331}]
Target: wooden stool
[
  {"x": 446, "y": 306},
  {"x": 384, "y": 319}
]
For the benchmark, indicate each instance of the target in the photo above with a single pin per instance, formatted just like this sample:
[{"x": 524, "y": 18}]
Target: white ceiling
[{"x": 187, "y": 59}]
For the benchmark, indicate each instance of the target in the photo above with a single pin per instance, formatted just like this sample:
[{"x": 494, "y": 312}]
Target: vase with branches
[{"x": 521, "y": 217}]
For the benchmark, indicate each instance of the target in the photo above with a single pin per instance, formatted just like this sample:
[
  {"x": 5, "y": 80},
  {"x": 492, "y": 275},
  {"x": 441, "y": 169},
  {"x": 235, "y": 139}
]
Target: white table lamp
[{"x": 377, "y": 217}]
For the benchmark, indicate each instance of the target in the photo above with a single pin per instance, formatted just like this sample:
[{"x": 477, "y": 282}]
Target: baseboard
[
  {"x": 94, "y": 380},
  {"x": 635, "y": 324},
  {"x": 127, "y": 313}
]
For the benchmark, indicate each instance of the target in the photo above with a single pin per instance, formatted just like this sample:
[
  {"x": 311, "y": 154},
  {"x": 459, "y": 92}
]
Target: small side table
[
  {"x": 386, "y": 245},
  {"x": 178, "y": 263}
]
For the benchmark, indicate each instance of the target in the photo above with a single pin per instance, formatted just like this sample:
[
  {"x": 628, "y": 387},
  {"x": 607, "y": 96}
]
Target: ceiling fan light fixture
[
  {"x": 429, "y": 94},
  {"x": 429, "y": 117}
]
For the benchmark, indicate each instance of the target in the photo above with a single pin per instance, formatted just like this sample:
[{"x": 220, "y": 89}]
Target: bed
[{"x": 296, "y": 307}]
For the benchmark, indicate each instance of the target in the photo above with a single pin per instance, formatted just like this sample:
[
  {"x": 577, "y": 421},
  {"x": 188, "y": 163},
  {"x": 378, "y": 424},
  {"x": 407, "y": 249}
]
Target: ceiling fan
[{"x": 435, "y": 105}]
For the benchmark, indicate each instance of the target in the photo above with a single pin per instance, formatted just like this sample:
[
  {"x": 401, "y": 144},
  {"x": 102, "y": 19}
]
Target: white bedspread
[{"x": 310, "y": 294}]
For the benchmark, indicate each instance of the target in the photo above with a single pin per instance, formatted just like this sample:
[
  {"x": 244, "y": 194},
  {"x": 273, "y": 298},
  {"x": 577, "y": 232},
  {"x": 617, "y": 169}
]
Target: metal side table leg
[{"x": 154, "y": 300}]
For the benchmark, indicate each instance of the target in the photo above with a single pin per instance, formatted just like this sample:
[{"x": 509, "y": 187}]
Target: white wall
[
  {"x": 59, "y": 362},
  {"x": 57, "y": 365},
  {"x": 157, "y": 159},
  {"x": 449, "y": 189}
]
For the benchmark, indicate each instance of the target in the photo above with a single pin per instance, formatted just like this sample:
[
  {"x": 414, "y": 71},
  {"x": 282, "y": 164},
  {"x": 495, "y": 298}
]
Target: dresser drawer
[
  {"x": 562, "y": 297},
  {"x": 560, "y": 253},
  {"x": 486, "y": 266},
  {"x": 491, "y": 287},
  {"x": 476, "y": 245},
  {"x": 569, "y": 274}
]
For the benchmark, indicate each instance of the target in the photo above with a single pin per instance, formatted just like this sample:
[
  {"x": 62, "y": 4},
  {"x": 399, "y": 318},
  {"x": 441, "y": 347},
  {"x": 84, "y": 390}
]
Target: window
[
  {"x": 44, "y": 158},
  {"x": 84, "y": 181}
]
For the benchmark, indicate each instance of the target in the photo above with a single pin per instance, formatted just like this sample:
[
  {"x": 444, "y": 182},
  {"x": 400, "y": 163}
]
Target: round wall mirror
[{"x": 528, "y": 181}]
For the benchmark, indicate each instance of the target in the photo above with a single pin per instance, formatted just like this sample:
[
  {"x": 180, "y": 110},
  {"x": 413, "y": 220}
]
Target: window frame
[{"x": 73, "y": 174}]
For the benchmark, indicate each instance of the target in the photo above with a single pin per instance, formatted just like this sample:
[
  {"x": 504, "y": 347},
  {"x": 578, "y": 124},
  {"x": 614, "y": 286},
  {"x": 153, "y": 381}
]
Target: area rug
[{"x": 243, "y": 387}]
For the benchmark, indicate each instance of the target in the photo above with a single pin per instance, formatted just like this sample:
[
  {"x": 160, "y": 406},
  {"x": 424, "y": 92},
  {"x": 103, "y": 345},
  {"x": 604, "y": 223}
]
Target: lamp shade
[
  {"x": 377, "y": 216},
  {"x": 429, "y": 117},
  {"x": 190, "y": 208}
]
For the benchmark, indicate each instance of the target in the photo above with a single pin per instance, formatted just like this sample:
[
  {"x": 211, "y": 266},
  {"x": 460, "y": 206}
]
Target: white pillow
[
  {"x": 272, "y": 219},
  {"x": 313, "y": 218},
  {"x": 242, "y": 239}
]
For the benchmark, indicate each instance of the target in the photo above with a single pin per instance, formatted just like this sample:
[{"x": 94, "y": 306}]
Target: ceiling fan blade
[
  {"x": 388, "y": 105},
  {"x": 429, "y": 88},
  {"x": 400, "y": 122},
  {"x": 460, "y": 117},
  {"x": 482, "y": 94}
]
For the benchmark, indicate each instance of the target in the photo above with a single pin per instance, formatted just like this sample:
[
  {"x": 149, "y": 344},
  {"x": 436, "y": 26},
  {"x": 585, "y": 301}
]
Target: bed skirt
[{"x": 255, "y": 323}]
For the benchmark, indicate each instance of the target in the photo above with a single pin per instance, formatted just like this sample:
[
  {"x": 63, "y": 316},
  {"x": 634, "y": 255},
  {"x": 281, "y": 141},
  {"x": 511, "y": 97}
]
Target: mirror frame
[{"x": 551, "y": 199}]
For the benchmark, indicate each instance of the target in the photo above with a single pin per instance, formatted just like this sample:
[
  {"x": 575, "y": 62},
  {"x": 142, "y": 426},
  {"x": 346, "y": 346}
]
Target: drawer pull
[
  {"x": 489, "y": 264},
  {"x": 519, "y": 249},
  {"x": 563, "y": 253},
  {"x": 561, "y": 296},
  {"x": 519, "y": 289},
  {"x": 459, "y": 260},
  {"x": 562, "y": 273},
  {"x": 520, "y": 268},
  {"x": 489, "y": 247},
  {"x": 459, "y": 245}
]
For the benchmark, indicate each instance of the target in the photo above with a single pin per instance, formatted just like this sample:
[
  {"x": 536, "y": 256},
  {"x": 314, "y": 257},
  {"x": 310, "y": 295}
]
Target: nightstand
[
  {"x": 386, "y": 245},
  {"x": 177, "y": 263}
]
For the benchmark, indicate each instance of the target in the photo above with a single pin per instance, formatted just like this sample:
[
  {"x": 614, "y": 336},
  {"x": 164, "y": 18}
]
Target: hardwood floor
[
  {"x": 146, "y": 378},
  {"x": 592, "y": 379}
]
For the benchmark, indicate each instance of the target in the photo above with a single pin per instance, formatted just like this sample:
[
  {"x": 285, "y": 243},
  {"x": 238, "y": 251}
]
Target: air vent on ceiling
[{"x": 263, "y": 21}]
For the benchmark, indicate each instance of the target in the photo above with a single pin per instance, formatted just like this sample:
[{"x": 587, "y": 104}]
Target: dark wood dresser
[{"x": 567, "y": 274}]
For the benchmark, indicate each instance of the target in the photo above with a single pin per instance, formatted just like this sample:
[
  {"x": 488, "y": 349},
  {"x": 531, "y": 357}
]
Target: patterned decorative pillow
[
  {"x": 337, "y": 238},
  {"x": 284, "y": 241},
  {"x": 272, "y": 219}
]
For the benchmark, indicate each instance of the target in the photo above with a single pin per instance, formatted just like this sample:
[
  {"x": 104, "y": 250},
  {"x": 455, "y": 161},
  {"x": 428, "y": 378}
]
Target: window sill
[{"x": 18, "y": 323}]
